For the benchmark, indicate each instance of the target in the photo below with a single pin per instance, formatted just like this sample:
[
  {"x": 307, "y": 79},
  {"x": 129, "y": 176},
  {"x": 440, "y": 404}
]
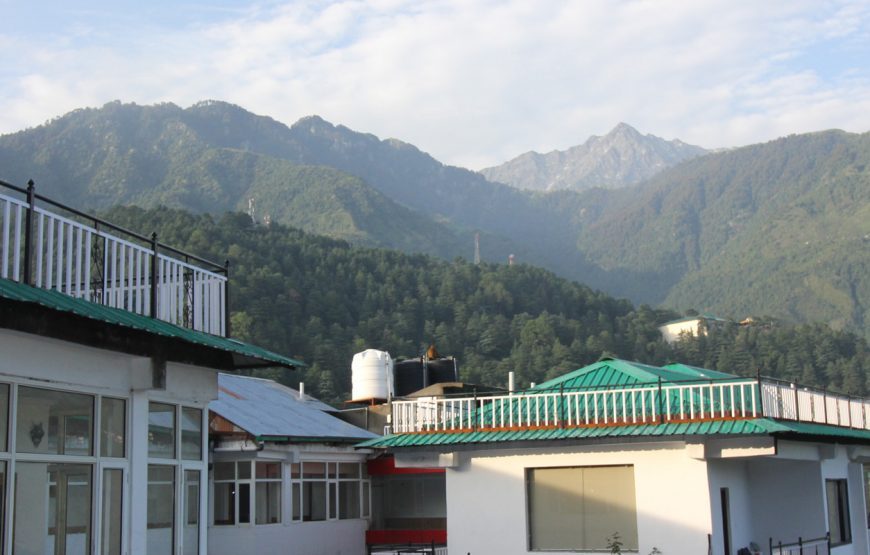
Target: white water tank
[{"x": 371, "y": 375}]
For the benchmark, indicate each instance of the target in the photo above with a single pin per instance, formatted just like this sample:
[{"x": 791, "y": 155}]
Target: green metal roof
[
  {"x": 610, "y": 372},
  {"x": 246, "y": 354},
  {"x": 757, "y": 426}
]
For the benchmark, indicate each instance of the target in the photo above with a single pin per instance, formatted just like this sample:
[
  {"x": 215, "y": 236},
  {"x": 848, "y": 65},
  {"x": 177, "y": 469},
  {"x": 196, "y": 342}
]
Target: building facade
[{"x": 668, "y": 459}]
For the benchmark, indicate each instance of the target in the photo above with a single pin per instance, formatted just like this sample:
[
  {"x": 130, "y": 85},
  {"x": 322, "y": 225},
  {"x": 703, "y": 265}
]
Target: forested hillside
[
  {"x": 781, "y": 228},
  {"x": 322, "y": 300}
]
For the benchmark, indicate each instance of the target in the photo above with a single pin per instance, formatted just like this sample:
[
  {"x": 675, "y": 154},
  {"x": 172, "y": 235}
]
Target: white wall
[
  {"x": 731, "y": 474},
  {"x": 839, "y": 467},
  {"x": 331, "y": 537},
  {"x": 486, "y": 497}
]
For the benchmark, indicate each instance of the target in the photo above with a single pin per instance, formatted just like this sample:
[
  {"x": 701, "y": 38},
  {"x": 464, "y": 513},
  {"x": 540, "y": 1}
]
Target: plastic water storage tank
[{"x": 371, "y": 375}]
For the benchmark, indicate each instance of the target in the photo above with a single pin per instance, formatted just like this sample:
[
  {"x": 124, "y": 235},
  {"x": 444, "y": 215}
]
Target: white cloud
[{"x": 475, "y": 83}]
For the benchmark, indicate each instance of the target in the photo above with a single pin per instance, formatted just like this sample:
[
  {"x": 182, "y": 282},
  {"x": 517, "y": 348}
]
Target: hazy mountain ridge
[
  {"x": 620, "y": 158},
  {"x": 736, "y": 232}
]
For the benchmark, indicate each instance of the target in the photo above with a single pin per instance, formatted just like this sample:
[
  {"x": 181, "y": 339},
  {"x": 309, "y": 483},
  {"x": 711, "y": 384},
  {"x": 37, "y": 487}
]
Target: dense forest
[
  {"x": 322, "y": 300},
  {"x": 781, "y": 228}
]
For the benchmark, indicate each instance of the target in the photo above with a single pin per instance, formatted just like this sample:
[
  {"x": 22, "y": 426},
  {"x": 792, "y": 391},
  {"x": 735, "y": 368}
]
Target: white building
[
  {"x": 285, "y": 475},
  {"x": 692, "y": 326},
  {"x": 110, "y": 352},
  {"x": 674, "y": 459}
]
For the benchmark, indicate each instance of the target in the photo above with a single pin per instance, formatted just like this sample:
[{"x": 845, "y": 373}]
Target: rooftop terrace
[
  {"x": 616, "y": 397},
  {"x": 51, "y": 246}
]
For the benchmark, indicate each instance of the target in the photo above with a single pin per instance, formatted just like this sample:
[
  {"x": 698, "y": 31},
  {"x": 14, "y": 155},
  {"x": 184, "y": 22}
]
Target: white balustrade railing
[
  {"x": 640, "y": 404},
  {"x": 74, "y": 256}
]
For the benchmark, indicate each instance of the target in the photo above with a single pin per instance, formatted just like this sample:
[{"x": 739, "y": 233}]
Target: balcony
[
  {"x": 637, "y": 404},
  {"x": 48, "y": 245}
]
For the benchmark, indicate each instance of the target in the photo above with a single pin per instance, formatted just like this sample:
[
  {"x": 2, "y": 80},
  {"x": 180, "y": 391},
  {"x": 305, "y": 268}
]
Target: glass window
[
  {"x": 2, "y": 499},
  {"x": 297, "y": 501},
  {"x": 62, "y": 494},
  {"x": 224, "y": 471},
  {"x": 838, "y": 512},
  {"x": 113, "y": 484},
  {"x": 161, "y": 431},
  {"x": 268, "y": 493},
  {"x": 348, "y": 493},
  {"x": 224, "y": 503},
  {"x": 55, "y": 422},
  {"x": 161, "y": 510},
  {"x": 190, "y": 541},
  {"x": 244, "y": 503},
  {"x": 191, "y": 434},
  {"x": 244, "y": 470},
  {"x": 314, "y": 500},
  {"x": 113, "y": 426},
  {"x": 579, "y": 508},
  {"x": 4, "y": 416}
]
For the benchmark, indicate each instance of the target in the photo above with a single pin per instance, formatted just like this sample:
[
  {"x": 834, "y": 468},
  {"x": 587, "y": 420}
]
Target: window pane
[
  {"x": 838, "y": 512},
  {"x": 297, "y": 501},
  {"x": 268, "y": 502},
  {"x": 191, "y": 434},
  {"x": 244, "y": 470},
  {"x": 348, "y": 493},
  {"x": 314, "y": 470},
  {"x": 4, "y": 416},
  {"x": 244, "y": 503},
  {"x": 333, "y": 500},
  {"x": 348, "y": 470},
  {"x": 113, "y": 416},
  {"x": 294, "y": 471},
  {"x": 224, "y": 503},
  {"x": 191, "y": 512},
  {"x": 579, "y": 508},
  {"x": 40, "y": 489},
  {"x": 366, "y": 496},
  {"x": 161, "y": 430},
  {"x": 2, "y": 499},
  {"x": 113, "y": 484},
  {"x": 332, "y": 470},
  {"x": 268, "y": 470},
  {"x": 224, "y": 471},
  {"x": 161, "y": 510},
  {"x": 56, "y": 422},
  {"x": 313, "y": 500}
]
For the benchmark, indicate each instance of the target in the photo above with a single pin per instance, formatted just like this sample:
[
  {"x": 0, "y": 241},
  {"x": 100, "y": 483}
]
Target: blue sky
[{"x": 473, "y": 82}]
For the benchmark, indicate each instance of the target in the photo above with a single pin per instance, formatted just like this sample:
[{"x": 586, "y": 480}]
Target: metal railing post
[
  {"x": 760, "y": 392},
  {"x": 474, "y": 412},
  {"x": 561, "y": 413},
  {"x": 661, "y": 406},
  {"x": 797, "y": 407},
  {"x": 28, "y": 233},
  {"x": 154, "y": 261},
  {"x": 227, "y": 328}
]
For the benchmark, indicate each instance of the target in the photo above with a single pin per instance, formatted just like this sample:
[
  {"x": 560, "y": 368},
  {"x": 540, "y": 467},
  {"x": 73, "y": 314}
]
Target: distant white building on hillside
[{"x": 693, "y": 326}]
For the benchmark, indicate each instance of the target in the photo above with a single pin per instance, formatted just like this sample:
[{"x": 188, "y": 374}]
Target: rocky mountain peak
[{"x": 621, "y": 158}]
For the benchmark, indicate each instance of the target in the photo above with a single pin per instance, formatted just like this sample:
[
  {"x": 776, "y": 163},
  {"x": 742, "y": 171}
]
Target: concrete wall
[
  {"x": 731, "y": 474},
  {"x": 835, "y": 466},
  {"x": 50, "y": 363},
  {"x": 331, "y": 537},
  {"x": 486, "y": 496}
]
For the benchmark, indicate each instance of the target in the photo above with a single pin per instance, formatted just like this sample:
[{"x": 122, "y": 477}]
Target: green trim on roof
[
  {"x": 61, "y": 302},
  {"x": 758, "y": 426}
]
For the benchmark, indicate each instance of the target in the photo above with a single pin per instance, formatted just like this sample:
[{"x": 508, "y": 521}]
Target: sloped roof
[
  {"x": 274, "y": 412},
  {"x": 67, "y": 314},
  {"x": 611, "y": 372},
  {"x": 749, "y": 427}
]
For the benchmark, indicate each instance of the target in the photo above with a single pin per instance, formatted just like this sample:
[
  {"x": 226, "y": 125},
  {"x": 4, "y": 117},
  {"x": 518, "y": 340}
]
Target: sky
[{"x": 472, "y": 82}]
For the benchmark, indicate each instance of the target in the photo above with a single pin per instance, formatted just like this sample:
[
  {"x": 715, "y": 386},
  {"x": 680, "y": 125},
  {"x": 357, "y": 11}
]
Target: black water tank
[
  {"x": 408, "y": 376},
  {"x": 443, "y": 370}
]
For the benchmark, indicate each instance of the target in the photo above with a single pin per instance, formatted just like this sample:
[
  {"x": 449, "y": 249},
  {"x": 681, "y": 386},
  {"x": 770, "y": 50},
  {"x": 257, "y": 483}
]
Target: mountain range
[
  {"x": 780, "y": 228},
  {"x": 621, "y": 158}
]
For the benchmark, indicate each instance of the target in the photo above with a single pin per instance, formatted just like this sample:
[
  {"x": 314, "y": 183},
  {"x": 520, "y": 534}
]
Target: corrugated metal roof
[
  {"x": 611, "y": 372},
  {"x": 758, "y": 426},
  {"x": 56, "y": 300},
  {"x": 269, "y": 410}
]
